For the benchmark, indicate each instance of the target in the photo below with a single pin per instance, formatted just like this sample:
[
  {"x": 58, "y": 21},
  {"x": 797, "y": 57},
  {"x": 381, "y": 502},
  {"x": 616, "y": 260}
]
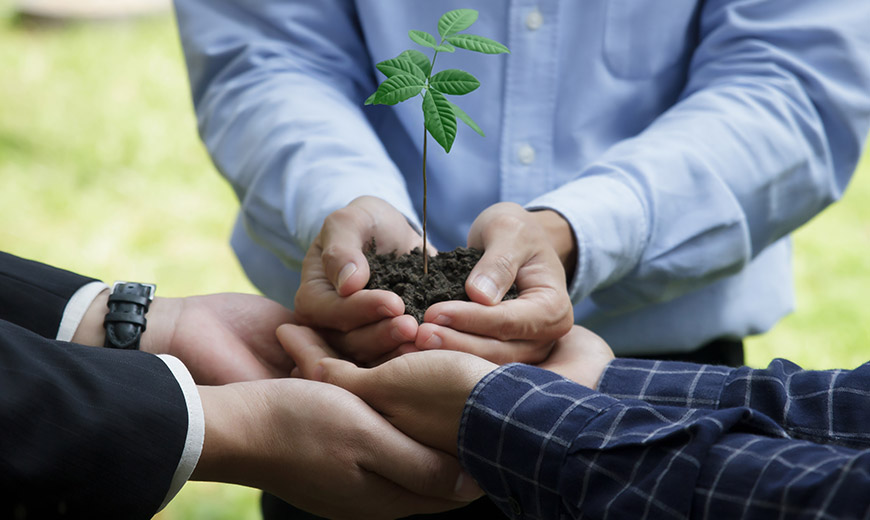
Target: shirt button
[
  {"x": 534, "y": 20},
  {"x": 526, "y": 154}
]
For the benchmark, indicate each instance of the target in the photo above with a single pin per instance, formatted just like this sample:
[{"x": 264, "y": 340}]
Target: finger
[
  {"x": 376, "y": 497},
  {"x": 325, "y": 309},
  {"x": 431, "y": 337},
  {"x": 494, "y": 273},
  {"x": 306, "y": 348},
  {"x": 370, "y": 342},
  {"x": 423, "y": 471},
  {"x": 356, "y": 380},
  {"x": 342, "y": 239},
  {"x": 508, "y": 242},
  {"x": 540, "y": 314}
]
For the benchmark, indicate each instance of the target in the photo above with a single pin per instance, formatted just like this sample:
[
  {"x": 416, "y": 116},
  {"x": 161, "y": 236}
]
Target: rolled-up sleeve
[
  {"x": 765, "y": 134},
  {"x": 278, "y": 88}
]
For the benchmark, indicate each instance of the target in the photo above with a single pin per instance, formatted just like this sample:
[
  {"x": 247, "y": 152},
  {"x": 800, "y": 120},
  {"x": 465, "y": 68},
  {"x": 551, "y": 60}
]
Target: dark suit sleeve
[
  {"x": 85, "y": 432},
  {"x": 34, "y": 295}
]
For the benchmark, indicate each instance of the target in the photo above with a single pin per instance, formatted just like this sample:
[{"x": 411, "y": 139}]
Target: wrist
[
  {"x": 560, "y": 235},
  {"x": 90, "y": 331},
  {"x": 162, "y": 319},
  {"x": 219, "y": 446},
  {"x": 233, "y": 424}
]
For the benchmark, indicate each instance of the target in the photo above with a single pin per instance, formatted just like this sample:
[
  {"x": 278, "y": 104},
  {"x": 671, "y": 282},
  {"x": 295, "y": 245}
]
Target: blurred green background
[{"x": 102, "y": 172}]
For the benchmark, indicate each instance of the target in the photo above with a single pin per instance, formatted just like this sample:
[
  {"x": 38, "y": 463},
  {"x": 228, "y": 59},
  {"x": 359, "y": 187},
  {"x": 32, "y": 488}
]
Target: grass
[{"x": 101, "y": 172}]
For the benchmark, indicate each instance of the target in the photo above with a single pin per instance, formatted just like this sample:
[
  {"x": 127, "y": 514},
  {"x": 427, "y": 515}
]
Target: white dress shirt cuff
[
  {"x": 76, "y": 308},
  {"x": 195, "y": 427}
]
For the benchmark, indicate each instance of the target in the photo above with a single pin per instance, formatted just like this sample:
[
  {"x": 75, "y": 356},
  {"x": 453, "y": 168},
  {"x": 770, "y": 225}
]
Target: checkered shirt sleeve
[
  {"x": 826, "y": 406},
  {"x": 544, "y": 447}
]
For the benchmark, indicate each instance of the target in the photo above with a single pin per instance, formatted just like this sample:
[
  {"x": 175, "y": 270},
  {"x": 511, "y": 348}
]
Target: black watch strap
[{"x": 126, "y": 321}]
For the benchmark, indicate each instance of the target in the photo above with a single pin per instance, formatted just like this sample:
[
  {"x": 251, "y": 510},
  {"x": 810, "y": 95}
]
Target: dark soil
[{"x": 403, "y": 274}]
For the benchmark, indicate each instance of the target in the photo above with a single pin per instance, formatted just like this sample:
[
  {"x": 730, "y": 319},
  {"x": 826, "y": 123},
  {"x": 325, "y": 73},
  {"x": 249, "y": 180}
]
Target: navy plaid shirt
[{"x": 672, "y": 440}]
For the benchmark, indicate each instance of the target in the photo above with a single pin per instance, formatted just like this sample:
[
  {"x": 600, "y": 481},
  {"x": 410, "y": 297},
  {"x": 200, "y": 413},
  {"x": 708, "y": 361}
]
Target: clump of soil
[{"x": 403, "y": 274}]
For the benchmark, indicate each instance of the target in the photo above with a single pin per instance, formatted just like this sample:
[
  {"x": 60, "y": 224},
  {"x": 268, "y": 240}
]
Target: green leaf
[
  {"x": 419, "y": 60},
  {"x": 423, "y": 38},
  {"x": 397, "y": 89},
  {"x": 440, "y": 119},
  {"x": 467, "y": 120},
  {"x": 454, "y": 81},
  {"x": 445, "y": 47},
  {"x": 457, "y": 20},
  {"x": 371, "y": 99},
  {"x": 400, "y": 65},
  {"x": 473, "y": 42}
]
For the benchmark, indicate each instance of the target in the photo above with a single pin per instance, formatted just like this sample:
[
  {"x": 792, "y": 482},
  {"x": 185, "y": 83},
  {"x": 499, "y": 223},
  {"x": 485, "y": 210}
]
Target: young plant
[{"x": 410, "y": 74}]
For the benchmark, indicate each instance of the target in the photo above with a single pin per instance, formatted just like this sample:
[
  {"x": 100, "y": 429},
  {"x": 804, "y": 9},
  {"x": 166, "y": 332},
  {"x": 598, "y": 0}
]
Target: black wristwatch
[{"x": 126, "y": 321}]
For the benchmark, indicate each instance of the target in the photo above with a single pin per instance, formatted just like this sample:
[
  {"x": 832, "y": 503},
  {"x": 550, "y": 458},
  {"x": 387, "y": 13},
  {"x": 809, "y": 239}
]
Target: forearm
[
  {"x": 559, "y": 449},
  {"x": 74, "y": 423},
  {"x": 228, "y": 415},
  {"x": 824, "y": 406},
  {"x": 763, "y": 137},
  {"x": 280, "y": 110},
  {"x": 34, "y": 295}
]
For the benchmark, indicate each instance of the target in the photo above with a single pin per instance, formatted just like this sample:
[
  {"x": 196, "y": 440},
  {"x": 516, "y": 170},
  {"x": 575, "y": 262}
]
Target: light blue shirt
[{"x": 681, "y": 139}]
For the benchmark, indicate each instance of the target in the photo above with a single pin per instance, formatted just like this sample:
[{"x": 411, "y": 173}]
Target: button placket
[{"x": 529, "y": 102}]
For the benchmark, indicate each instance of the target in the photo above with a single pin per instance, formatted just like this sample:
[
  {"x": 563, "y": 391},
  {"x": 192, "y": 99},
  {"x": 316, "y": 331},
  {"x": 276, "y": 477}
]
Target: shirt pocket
[{"x": 643, "y": 38}]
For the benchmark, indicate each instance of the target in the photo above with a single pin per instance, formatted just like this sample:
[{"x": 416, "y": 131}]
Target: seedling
[{"x": 410, "y": 74}]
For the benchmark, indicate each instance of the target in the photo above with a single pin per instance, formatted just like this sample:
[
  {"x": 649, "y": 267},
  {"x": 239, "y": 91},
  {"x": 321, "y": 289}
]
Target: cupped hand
[
  {"x": 363, "y": 324},
  {"x": 221, "y": 338},
  {"x": 420, "y": 393},
  {"x": 324, "y": 450},
  {"x": 517, "y": 248}
]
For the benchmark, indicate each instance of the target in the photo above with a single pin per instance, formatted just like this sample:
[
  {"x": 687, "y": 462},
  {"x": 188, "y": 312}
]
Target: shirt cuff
[
  {"x": 668, "y": 383},
  {"x": 515, "y": 432},
  {"x": 195, "y": 427},
  {"x": 76, "y": 308},
  {"x": 609, "y": 242}
]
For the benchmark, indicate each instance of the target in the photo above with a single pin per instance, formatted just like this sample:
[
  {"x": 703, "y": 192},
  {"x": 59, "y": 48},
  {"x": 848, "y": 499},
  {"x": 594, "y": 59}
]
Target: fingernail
[
  {"x": 442, "y": 319},
  {"x": 345, "y": 273},
  {"x": 487, "y": 286},
  {"x": 434, "y": 342},
  {"x": 466, "y": 488},
  {"x": 317, "y": 373}
]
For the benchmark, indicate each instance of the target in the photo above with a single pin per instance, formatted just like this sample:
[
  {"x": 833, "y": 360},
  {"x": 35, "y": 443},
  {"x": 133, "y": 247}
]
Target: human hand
[
  {"x": 516, "y": 248},
  {"x": 581, "y": 356},
  {"x": 423, "y": 393},
  {"x": 362, "y": 324},
  {"x": 420, "y": 393},
  {"x": 221, "y": 338},
  {"x": 323, "y": 450}
]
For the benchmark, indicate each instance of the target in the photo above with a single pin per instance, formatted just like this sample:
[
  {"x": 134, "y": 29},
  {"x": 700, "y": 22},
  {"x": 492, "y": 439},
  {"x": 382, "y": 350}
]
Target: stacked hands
[{"x": 345, "y": 441}]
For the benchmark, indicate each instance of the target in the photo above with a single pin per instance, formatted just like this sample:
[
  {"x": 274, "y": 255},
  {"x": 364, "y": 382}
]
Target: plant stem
[
  {"x": 425, "y": 139},
  {"x": 425, "y": 254}
]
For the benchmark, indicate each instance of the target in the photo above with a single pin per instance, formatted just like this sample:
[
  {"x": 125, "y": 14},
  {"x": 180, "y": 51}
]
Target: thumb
[
  {"x": 304, "y": 346},
  {"x": 344, "y": 263},
  {"x": 356, "y": 380},
  {"x": 493, "y": 275}
]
